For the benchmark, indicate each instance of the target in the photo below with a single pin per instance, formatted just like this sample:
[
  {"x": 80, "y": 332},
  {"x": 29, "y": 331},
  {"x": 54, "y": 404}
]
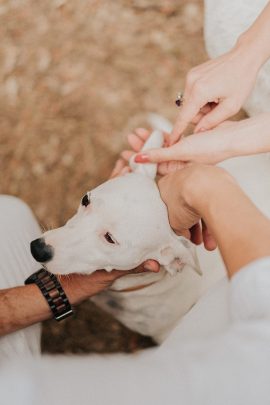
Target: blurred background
[{"x": 75, "y": 78}]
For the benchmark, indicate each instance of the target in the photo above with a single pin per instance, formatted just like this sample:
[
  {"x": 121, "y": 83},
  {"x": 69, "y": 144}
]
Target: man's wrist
[{"x": 74, "y": 287}]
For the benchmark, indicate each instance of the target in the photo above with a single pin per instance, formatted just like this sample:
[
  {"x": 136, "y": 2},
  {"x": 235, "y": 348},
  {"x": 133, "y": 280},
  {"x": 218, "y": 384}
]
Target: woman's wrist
[
  {"x": 250, "y": 136},
  {"x": 249, "y": 52},
  {"x": 255, "y": 40},
  {"x": 240, "y": 138},
  {"x": 202, "y": 185}
]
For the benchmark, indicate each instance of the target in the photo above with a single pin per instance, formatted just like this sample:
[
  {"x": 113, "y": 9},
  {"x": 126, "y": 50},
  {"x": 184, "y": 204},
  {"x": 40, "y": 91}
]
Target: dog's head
[{"x": 118, "y": 225}]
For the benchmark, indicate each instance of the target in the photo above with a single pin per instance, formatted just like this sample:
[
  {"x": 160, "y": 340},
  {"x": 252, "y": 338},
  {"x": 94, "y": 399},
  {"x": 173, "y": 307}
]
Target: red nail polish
[{"x": 142, "y": 158}]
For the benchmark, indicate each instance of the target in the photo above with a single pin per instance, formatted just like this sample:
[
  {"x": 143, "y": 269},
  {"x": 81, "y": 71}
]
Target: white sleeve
[{"x": 250, "y": 291}]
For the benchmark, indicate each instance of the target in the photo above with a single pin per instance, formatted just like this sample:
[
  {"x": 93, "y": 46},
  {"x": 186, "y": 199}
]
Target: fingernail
[
  {"x": 141, "y": 158},
  {"x": 146, "y": 268},
  {"x": 202, "y": 130}
]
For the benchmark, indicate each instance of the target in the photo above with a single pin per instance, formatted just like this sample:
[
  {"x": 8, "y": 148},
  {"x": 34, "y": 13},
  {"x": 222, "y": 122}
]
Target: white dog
[
  {"x": 126, "y": 221},
  {"x": 119, "y": 225}
]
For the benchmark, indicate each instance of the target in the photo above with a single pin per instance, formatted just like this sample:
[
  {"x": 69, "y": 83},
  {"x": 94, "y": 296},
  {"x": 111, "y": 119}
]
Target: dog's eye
[
  {"x": 109, "y": 238},
  {"x": 86, "y": 200}
]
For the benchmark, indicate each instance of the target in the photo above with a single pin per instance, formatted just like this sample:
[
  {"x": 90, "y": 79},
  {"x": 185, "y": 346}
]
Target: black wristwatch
[{"x": 53, "y": 292}]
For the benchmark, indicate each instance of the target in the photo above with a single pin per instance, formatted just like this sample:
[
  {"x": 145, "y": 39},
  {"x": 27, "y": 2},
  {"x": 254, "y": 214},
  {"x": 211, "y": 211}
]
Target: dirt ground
[{"x": 75, "y": 77}]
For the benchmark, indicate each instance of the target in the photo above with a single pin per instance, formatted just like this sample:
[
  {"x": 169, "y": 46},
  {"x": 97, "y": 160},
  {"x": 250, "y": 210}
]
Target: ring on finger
[{"x": 179, "y": 99}]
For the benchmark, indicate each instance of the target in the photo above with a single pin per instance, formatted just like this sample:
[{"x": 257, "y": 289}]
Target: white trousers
[{"x": 18, "y": 227}]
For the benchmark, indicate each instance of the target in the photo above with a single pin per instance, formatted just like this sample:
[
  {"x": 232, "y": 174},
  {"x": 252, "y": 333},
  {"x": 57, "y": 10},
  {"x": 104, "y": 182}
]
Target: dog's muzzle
[{"x": 40, "y": 251}]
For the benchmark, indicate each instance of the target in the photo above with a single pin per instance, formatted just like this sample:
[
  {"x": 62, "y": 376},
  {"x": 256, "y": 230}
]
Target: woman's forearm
[
  {"x": 241, "y": 231},
  {"x": 257, "y": 37},
  {"x": 248, "y": 137}
]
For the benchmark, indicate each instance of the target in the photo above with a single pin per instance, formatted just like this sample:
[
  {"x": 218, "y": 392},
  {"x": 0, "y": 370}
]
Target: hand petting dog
[{"x": 197, "y": 232}]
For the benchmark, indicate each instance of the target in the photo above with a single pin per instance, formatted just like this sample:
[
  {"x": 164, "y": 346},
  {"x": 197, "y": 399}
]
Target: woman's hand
[
  {"x": 210, "y": 147},
  {"x": 229, "y": 139},
  {"x": 136, "y": 141},
  {"x": 217, "y": 89},
  {"x": 184, "y": 218},
  {"x": 210, "y": 193}
]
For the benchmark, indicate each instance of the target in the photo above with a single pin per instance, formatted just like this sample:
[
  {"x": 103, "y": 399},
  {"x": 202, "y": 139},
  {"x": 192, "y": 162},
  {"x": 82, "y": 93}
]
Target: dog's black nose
[{"x": 40, "y": 251}]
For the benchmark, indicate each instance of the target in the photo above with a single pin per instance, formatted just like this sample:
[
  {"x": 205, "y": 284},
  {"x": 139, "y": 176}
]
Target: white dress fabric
[
  {"x": 225, "y": 20},
  {"x": 205, "y": 361}
]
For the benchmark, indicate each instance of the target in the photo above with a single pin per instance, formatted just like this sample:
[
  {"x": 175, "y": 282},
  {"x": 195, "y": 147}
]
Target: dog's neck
[
  {"x": 130, "y": 289},
  {"x": 133, "y": 282}
]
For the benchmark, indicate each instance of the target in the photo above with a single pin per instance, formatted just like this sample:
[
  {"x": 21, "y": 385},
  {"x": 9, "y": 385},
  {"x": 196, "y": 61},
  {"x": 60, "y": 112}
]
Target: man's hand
[
  {"x": 79, "y": 287},
  {"x": 23, "y": 306}
]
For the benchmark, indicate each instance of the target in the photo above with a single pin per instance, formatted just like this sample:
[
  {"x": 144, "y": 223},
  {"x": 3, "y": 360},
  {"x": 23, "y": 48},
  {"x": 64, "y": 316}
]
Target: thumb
[{"x": 160, "y": 155}]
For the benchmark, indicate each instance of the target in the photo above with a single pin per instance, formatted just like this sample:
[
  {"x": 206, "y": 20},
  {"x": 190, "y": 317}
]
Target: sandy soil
[{"x": 75, "y": 77}]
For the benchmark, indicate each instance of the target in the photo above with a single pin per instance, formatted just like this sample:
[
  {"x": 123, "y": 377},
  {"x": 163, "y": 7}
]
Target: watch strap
[{"x": 53, "y": 292}]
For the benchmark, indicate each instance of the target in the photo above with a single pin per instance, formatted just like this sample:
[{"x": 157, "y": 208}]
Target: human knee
[
  {"x": 14, "y": 213},
  {"x": 10, "y": 205}
]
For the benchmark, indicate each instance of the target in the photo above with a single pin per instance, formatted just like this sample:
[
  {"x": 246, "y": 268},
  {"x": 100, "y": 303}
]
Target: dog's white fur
[{"x": 131, "y": 210}]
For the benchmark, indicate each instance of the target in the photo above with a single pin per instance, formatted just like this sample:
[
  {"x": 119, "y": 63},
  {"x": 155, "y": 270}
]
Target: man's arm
[
  {"x": 23, "y": 306},
  {"x": 241, "y": 231}
]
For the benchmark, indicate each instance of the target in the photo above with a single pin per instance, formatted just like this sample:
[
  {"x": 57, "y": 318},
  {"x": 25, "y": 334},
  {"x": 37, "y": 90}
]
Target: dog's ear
[
  {"x": 178, "y": 253},
  {"x": 155, "y": 140}
]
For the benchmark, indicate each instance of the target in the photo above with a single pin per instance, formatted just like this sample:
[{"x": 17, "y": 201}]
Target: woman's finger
[
  {"x": 159, "y": 155},
  {"x": 189, "y": 110},
  {"x": 208, "y": 239},
  {"x": 135, "y": 142},
  {"x": 142, "y": 133},
  {"x": 127, "y": 154},
  {"x": 125, "y": 170},
  {"x": 204, "y": 110},
  {"x": 196, "y": 234},
  {"x": 119, "y": 165},
  {"x": 197, "y": 118},
  {"x": 220, "y": 113},
  {"x": 170, "y": 167}
]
